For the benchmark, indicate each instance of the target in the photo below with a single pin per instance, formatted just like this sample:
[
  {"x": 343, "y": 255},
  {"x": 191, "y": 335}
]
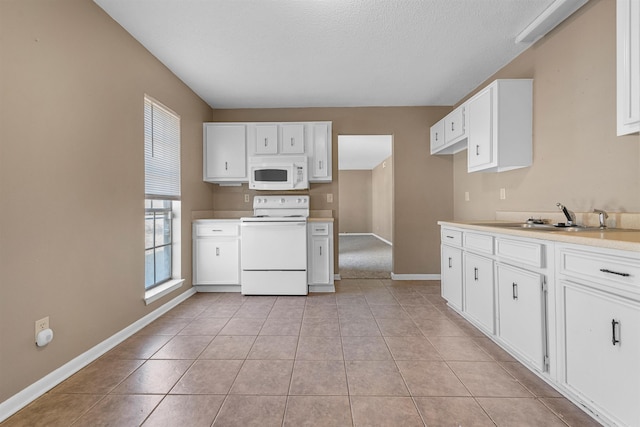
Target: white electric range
[{"x": 273, "y": 250}]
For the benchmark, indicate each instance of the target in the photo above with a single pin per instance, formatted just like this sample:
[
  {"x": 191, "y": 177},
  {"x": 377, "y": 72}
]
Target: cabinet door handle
[
  {"x": 606, "y": 270},
  {"x": 477, "y": 150},
  {"x": 436, "y": 136},
  {"x": 475, "y": 273},
  {"x": 320, "y": 250},
  {"x": 266, "y": 141},
  {"x": 514, "y": 290},
  {"x": 292, "y": 141},
  {"x": 451, "y": 126},
  {"x": 614, "y": 340},
  {"x": 226, "y": 166},
  {"x": 217, "y": 251},
  {"x": 450, "y": 265},
  {"x": 319, "y": 164}
]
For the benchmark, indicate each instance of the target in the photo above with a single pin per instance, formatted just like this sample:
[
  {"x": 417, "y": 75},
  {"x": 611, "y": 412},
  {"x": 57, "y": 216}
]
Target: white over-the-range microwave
[{"x": 278, "y": 173}]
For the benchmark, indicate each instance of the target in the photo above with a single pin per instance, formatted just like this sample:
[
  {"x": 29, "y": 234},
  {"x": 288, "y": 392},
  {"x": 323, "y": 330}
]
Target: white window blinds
[{"x": 161, "y": 152}]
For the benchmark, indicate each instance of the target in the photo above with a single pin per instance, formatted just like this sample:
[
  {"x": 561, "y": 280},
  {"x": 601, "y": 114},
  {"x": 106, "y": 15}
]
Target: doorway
[{"x": 365, "y": 192}]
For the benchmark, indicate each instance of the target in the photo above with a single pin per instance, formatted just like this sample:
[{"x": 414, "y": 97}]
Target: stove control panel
[{"x": 281, "y": 202}]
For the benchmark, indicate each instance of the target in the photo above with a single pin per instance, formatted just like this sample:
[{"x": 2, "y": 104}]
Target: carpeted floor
[{"x": 364, "y": 257}]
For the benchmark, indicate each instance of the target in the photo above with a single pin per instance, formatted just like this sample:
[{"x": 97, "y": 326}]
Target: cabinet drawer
[
  {"x": 479, "y": 242},
  {"x": 603, "y": 268},
  {"x": 215, "y": 228},
  {"x": 321, "y": 229},
  {"x": 451, "y": 237},
  {"x": 528, "y": 253}
]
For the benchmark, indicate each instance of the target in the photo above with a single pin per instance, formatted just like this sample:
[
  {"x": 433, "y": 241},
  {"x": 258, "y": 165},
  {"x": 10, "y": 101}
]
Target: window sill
[{"x": 159, "y": 291}]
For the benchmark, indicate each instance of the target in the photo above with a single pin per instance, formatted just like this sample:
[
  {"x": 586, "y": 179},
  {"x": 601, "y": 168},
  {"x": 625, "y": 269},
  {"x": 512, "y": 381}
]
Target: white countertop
[{"x": 612, "y": 239}]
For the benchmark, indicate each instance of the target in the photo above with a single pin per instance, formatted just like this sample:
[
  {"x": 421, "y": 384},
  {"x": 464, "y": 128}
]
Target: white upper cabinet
[
  {"x": 225, "y": 153},
  {"x": 320, "y": 158},
  {"x": 449, "y": 135},
  {"x": 437, "y": 137},
  {"x": 628, "y": 66},
  {"x": 293, "y": 138},
  {"x": 499, "y": 132},
  {"x": 266, "y": 141}
]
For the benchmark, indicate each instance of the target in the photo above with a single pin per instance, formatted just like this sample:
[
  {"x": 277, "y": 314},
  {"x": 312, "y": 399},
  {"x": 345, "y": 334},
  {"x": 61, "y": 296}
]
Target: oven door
[{"x": 274, "y": 245}]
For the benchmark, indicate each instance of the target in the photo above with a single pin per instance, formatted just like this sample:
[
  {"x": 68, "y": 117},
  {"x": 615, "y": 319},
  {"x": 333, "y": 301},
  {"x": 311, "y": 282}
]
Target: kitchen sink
[{"x": 551, "y": 227}]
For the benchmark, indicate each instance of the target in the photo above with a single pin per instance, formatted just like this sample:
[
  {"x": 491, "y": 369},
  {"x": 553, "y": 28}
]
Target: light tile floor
[{"x": 375, "y": 353}]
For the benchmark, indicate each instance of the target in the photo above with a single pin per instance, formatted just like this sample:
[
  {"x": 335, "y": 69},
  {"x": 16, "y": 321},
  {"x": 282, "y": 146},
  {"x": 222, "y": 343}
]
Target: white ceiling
[
  {"x": 330, "y": 53},
  {"x": 363, "y": 152}
]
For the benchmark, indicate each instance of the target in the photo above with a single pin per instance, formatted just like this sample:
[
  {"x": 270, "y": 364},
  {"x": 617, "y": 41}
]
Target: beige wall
[
  {"x": 382, "y": 199},
  {"x": 72, "y": 180},
  {"x": 422, "y": 183},
  {"x": 577, "y": 158},
  {"x": 354, "y": 211}
]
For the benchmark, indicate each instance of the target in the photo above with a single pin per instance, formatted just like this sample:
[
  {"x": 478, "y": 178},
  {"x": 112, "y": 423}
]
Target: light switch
[
  {"x": 503, "y": 194},
  {"x": 329, "y": 197},
  {"x": 466, "y": 196}
]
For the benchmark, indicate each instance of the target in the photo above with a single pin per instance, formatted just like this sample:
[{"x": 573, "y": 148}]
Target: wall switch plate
[
  {"x": 246, "y": 198},
  {"x": 41, "y": 325},
  {"x": 466, "y": 196},
  {"x": 503, "y": 194},
  {"x": 329, "y": 197}
]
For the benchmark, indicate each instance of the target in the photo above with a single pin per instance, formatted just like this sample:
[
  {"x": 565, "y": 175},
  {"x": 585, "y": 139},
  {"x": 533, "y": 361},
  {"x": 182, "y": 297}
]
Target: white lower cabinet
[
  {"x": 568, "y": 312},
  {"x": 599, "y": 298},
  {"x": 478, "y": 290},
  {"x": 451, "y": 281},
  {"x": 320, "y": 256},
  {"x": 216, "y": 255},
  {"x": 602, "y": 351},
  {"x": 521, "y": 313}
]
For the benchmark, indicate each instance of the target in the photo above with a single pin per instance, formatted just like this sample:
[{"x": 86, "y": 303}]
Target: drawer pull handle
[
  {"x": 450, "y": 263},
  {"x": 514, "y": 290},
  {"x": 605, "y": 270},
  {"x": 449, "y": 237},
  {"x": 216, "y": 230},
  {"x": 475, "y": 273},
  {"x": 614, "y": 340}
]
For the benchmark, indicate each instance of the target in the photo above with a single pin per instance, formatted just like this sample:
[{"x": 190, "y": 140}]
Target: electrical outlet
[
  {"x": 466, "y": 196},
  {"x": 246, "y": 198},
  {"x": 329, "y": 198},
  {"x": 41, "y": 325}
]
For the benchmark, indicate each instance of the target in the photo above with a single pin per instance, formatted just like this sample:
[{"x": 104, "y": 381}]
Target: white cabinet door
[
  {"x": 217, "y": 261},
  {"x": 320, "y": 260},
  {"x": 225, "y": 151},
  {"x": 628, "y": 66},
  {"x": 437, "y": 136},
  {"x": 454, "y": 124},
  {"x": 480, "y": 129},
  {"x": 321, "y": 158},
  {"x": 478, "y": 290},
  {"x": 293, "y": 138},
  {"x": 500, "y": 126},
  {"x": 266, "y": 139},
  {"x": 602, "y": 351},
  {"x": 521, "y": 310},
  {"x": 451, "y": 274}
]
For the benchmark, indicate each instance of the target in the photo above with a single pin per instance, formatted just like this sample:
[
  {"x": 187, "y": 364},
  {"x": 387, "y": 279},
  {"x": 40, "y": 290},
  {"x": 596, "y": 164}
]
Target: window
[{"x": 162, "y": 194}]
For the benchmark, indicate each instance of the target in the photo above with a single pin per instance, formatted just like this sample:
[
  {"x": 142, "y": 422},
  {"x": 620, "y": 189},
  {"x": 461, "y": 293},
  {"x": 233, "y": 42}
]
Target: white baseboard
[
  {"x": 322, "y": 288},
  {"x": 217, "y": 288},
  {"x": 395, "y": 276},
  {"x": 40, "y": 387}
]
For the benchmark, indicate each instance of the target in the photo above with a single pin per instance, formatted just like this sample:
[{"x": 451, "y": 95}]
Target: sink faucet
[
  {"x": 602, "y": 216},
  {"x": 571, "y": 217}
]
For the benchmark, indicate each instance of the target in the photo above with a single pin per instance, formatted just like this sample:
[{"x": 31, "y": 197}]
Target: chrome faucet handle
[
  {"x": 571, "y": 217},
  {"x": 602, "y": 216}
]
